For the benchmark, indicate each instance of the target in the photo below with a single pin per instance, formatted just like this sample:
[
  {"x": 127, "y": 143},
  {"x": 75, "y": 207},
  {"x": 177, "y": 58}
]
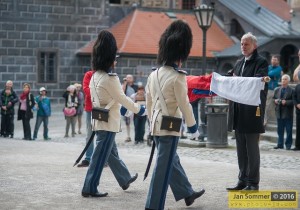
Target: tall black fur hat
[
  {"x": 104, "y": 51},
  {"x": 175, "y": 43}
]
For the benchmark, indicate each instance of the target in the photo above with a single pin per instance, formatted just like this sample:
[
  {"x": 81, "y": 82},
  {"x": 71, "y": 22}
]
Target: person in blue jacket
[
  {"x": 274, "y": 72},
  {"x": 43, "y": 107}
]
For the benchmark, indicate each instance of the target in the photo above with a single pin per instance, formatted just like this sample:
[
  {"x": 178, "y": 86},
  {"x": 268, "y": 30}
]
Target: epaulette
[
  {"x": 154, "y": 68},
  {"x": 182, "y": 72},
  {"x": 112, "y": 74}
]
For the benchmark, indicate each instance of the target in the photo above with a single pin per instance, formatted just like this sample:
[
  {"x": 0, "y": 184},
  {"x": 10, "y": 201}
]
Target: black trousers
[
  {"x": 26, "y": 125},
  {"x": 7, "y": 124},
  {"x": 297, "y": 142},
  {"x": 247, "y": 145}
]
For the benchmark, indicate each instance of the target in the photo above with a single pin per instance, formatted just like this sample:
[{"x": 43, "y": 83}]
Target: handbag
[
  {"x": 168, "y": 123},
  {"x": 100, "y": 114},
  {"x": 69, "y": 111}
]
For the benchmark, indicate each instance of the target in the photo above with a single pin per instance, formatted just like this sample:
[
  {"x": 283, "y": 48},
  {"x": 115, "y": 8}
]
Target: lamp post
[{"x": 204, "y": 15}]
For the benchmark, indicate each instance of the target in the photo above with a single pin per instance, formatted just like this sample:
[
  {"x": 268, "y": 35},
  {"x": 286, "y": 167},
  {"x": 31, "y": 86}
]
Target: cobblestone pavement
[{"x": 39, "y": 174}]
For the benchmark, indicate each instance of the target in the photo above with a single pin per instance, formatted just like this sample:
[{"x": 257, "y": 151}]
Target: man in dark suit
[
  {"x": 284, "y": 109},
  {"x": 248, "y": 120}
]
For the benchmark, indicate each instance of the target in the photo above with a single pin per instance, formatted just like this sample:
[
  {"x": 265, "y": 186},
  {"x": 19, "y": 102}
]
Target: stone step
[{"x": 273, "y": 137}]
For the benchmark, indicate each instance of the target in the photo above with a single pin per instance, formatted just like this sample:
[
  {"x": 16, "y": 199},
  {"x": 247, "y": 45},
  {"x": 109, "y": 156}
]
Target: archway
[
  {"x": 236, "y": 29},
  {"x": 288, "y": 58}
]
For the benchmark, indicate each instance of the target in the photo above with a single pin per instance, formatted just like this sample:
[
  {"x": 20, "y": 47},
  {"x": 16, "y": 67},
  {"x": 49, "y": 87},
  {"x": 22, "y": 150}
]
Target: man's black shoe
[
  {"x": 278, "y": 147},
  {"x": 125, "y": 187},
  {"x": 97, "y": 194},
  {"x": 239, "y": 186},
  {"x": 190, "y": 200},
  {"x": 296, "y": 149},
  {"x": 84, "y": 163},
  {"x": 251, "y": 188}
]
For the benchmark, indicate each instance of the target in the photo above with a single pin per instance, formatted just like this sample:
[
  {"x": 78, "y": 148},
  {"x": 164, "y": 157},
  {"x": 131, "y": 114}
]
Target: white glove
[
  {"x": 128, "y": 113},
  {"x": 195, "y": 135},
  {"x": 145, "y": 113}
]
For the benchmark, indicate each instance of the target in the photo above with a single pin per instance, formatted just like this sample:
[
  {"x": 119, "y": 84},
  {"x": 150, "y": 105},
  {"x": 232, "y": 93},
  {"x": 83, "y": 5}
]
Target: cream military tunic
[
  {"x": 104, "y": 88},
  {"x": 173, "y": 86}
]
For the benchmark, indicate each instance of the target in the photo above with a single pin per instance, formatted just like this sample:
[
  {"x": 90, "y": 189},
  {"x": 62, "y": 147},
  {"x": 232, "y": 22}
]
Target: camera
[
  {"x": 279, "y": 101},
  {"x": 124, "y": 79}
]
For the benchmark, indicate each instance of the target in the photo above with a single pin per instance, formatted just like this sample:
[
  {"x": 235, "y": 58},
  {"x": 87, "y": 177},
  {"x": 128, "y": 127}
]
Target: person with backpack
[{"x": 43, "y": 107}]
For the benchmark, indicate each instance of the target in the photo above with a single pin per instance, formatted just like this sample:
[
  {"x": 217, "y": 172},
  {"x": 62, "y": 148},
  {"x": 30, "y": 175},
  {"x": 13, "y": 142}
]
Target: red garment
[
  {"x": 86, "y": 89},
  {"x": 200, "y": 83},
  {"x": 24, "y": 95}
]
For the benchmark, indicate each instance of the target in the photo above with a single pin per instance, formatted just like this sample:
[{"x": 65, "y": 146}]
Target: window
[
  {"x": 188, "y": 4},
  {"x": 47, "y": 66},
  {"x": 115, "y": 1}
]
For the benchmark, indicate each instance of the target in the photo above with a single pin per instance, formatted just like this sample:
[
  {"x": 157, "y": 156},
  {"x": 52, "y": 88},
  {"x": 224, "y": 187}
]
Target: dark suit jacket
[
  {"x": 286, "y": 111},
  {"x": 296, "y": 98},
  {"x": 245, "y": 119}
]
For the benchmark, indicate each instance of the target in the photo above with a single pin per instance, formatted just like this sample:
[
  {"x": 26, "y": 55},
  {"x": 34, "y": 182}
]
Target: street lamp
[{"x": 204, "y": 15}]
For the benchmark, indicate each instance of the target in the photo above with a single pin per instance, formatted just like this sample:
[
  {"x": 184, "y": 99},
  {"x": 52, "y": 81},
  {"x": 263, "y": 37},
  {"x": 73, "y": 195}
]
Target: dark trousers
[
  {"x": 247, "y": 145},
  {"x": 297, "y": 142},
  {"x": 139, "y": 127},
  {"x": 196, "y": 112},
  {"x": 7, "y": 124},
  {"x": 286, "y": 124},
  {"x": 39, "y": 121},
  {"x": 26, "y": 125}
]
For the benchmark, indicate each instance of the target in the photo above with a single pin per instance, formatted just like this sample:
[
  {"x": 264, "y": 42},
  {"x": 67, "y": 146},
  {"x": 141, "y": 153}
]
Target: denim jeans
[
  {"x": 89, "y": 151},
  {"x": 139, "y": 127},
  {"x": 286, "y": 124},
  {"x": 39, "y": 120}
]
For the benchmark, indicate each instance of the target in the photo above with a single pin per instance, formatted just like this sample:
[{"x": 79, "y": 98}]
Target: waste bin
[{"x": 217, "y": 125}]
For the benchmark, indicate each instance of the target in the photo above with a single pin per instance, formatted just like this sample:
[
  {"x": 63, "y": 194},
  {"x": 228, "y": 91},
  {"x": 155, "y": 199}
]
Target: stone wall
[{"x": 27, "y": 26}]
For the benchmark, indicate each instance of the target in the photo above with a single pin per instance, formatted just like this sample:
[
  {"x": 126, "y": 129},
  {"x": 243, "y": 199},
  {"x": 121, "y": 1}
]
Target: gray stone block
[
  {"x": 21, "y": 60},
  {"x": 31, "y": 60},
  {"x": 33, "y": 8},
  {"x": 59, "y": 44},
  {"x": 33, "y": 27},
  {"x": 33, "y": 44},
  {"x": 21, "y": 27},
  {"x": 70, "y": 10},
  {"x": 40, "y": 16},
  {"x": 3, "y": 35},
  {"x": 70, "y": 29},
  {"x": 91, "y": 30},
  {"x": 75, "y": 37},
  {"x": 26, "y": 15},
  {"x": 59, "y": 29},
  {"x": 46, "y": 9},
  {"x": 52, "y": 36},
  {"x": 26, "y": 69},
  {"x": 70, "y": 45},
  {"x": 8, "y": 26},
  {"x": 46, "y": 28},
  {"x": 86, "y": 37},
  {"x": 8, "y": 76},
  {"x": 32, "y": 77},
  {"x": 3, "y": 69},
  {"x": 53, "y": 16},
  {"x": 14, "y": 35},
  {"x": 22, "y": 77},
  {"x": 40, "y": 36},
  {"x": 59, "y": 10},
  {"x": 27, "y": 52},
  {"x": 3, "y": 7},
  {"x": 21, "y": 43},
  {"x": 8, "y": 43},
  {"x": 27, "y": 35},
  {"x": 13, "y": 51},
  {"x": 46, "y": 44},
  {"x": 8, "y": 60},
  {"x": 27, "y": 1},
  {"x": 13, "y": 69},
  {"x": 89, "y": 11},
  {"x": 64, "y": 37},
  {"x": 22, "y": 7},
  {"x": 3, "y": 51},
  {"x": 81, "y": 29}
]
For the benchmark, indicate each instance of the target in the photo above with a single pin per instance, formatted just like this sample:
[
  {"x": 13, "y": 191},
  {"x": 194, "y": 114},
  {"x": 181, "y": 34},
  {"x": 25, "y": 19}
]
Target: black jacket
[
  {"x": 12, "y": 98},
  {"x": 284, "y": 111},
  {"x": 296, "y": 98},
  {"x": 30, "y": 102},
  {"x": 247, "y": 118}
]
